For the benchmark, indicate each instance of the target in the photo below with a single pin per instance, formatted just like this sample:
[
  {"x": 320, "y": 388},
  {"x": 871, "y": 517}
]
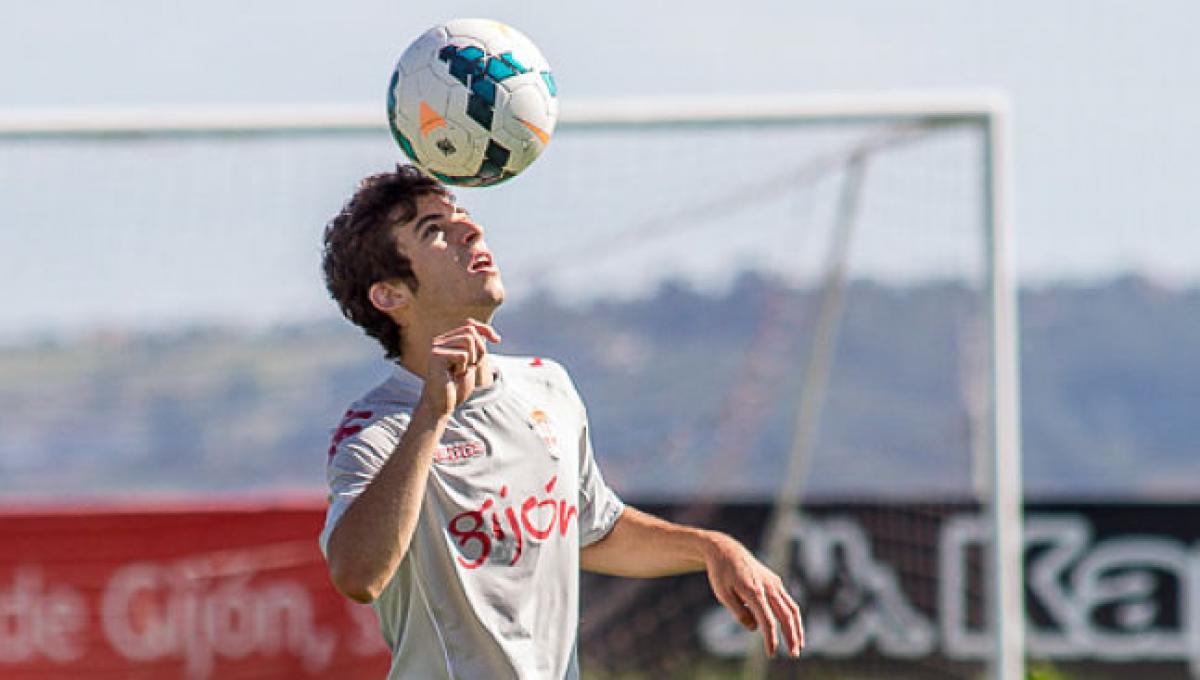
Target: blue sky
[{"x": 1104, "y": 93}]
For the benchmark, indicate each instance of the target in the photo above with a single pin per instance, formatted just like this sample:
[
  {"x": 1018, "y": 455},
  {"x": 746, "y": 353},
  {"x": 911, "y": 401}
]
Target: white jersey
[{"x": 489, "y": 587}]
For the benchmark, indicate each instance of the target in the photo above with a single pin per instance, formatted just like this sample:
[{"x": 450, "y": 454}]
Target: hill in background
[{"x": 688, "y": 393}]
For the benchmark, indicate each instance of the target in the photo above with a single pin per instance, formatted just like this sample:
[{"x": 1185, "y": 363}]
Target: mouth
[{"x": 482, "y": 263}]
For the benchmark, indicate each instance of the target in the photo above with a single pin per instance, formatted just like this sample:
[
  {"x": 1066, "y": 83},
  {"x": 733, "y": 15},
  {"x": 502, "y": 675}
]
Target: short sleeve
[
  {"x": 355, "y": 462},
  {"x": 599, "y": 505}
]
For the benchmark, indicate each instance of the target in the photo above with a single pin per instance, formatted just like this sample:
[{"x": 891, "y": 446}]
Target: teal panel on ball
[
  {"x": 405, "y": 145},
  {"x": 512, "y": 62},
  {"x": 498, "y": 69}
]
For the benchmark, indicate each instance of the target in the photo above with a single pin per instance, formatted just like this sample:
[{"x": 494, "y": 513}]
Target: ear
[{"x": 389, "y": 297}]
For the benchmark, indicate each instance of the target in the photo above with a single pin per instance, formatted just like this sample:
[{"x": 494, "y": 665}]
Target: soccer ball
[{"x": 472, "y": 102}]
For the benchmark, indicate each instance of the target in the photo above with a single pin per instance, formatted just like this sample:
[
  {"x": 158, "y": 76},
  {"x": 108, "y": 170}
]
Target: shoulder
[
  {"x": 536, "y": 373},
  {"x": 371, "y": 427},
  {"x": 532, "y": 370}
]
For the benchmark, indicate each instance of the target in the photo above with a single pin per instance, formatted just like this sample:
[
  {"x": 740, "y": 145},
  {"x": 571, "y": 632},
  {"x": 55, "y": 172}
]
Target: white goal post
[{"x": 987, "y": 111}]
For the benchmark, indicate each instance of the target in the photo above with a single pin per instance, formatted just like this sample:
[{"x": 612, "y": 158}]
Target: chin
[{"x": 497, "y": 292}]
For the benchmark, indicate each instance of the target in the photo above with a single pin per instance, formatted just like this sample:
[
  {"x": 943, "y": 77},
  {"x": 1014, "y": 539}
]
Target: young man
[{"x": 465, "y": 496}]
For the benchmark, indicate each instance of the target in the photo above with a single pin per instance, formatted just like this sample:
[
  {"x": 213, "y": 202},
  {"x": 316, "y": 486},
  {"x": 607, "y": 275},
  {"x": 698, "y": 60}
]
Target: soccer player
[{"x": 464, "y": 494}]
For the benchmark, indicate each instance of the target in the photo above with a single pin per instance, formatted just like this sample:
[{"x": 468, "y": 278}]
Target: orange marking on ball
[
  {"x": 430, "y": 120},
  {"x": 541, "y": 134}
]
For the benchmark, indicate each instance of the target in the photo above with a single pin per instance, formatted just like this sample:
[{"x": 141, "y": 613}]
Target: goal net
[{"x": 789, "y": 320}]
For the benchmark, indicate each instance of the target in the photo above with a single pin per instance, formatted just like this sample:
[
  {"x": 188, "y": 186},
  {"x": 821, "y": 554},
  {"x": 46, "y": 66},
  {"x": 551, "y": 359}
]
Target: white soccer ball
[{"x": 472, "y": 102}]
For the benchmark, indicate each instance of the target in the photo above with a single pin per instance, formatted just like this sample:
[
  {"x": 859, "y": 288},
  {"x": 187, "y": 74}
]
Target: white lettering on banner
[
  {"x": 189, "y": 610},
  {"x": 867, "y": 605},
  {"x": 36, "y": 621},
  {"x": 1124, "y": 598},
  {"x": 874, "y": 609}
]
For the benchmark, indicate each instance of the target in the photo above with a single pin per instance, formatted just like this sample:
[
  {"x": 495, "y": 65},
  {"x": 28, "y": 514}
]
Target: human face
[{"x": 456, "y": 273}]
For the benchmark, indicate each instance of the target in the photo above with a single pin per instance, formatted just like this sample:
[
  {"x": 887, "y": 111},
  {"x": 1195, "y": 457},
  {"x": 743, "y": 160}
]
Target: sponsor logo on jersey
[
  {"x": 458, "y": 452},
  {"x": 499, "y": 529}
]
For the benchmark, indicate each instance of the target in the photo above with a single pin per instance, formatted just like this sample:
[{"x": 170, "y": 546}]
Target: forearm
[
  {"x": 644, "y": 546},
  {"x": 373, "y": 535}
]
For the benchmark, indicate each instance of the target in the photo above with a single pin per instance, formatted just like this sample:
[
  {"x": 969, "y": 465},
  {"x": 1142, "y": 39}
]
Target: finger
[
  {"x": 787, "y": 613},
  {"x": 454, "y": 363},
  {"x": 480, "y": 344},
  {"x": 735, "y": 607},
  {"x": 464, "y": 339},
  {"x": 474, "y": 327},
  {"x": 484, "y": 329},
  {"x": 472, "y": 338},
  {"x": 471, "y": 341},
  {"x": 455, "y": 360},
  {"x": 787, "y": 618},
  {"x": 799, "y": 617},
  {"x": 464, "y": 384},
  {"x": 756, "y": 601}
]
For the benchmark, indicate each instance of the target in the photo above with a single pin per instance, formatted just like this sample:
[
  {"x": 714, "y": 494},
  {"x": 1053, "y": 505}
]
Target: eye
[{"x": 431, "y": 230}]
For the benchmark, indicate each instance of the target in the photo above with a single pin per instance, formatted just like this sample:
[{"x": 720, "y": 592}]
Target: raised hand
[{"x": 452, "y": 371}]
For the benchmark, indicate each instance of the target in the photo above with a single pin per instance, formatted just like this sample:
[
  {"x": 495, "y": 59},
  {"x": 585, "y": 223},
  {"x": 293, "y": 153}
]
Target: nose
[{"x": 471, "y": 231}]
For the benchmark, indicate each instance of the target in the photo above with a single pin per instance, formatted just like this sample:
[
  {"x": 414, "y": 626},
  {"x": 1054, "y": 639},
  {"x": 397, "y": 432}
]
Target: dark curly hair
[{"x": 360, "y": 249}]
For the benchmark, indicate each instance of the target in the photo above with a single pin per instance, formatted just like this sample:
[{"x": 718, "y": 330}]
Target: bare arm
[
  {"x": 373, "y": 535},
  {"x": 641, "y": 545},
  {"x": 644, "y": 546}
]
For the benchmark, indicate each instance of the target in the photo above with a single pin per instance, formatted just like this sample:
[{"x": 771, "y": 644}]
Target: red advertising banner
[{"x": 177, "y": 591}]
